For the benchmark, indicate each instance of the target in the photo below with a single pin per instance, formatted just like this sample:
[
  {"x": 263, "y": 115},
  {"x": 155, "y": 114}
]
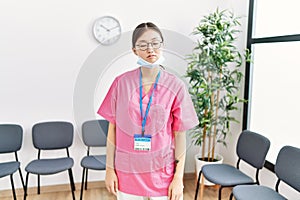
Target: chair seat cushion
[
  {"x": 49, "y": 166},
  {"x": 225, "y": 175},
  {"x": 94, "y": 162},
  {"x": 8, "y": 168},
  {"x": 250, "y": 192}
]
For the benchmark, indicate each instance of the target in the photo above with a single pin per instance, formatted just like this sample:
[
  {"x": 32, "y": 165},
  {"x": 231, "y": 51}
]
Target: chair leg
[
  {"x": 86, "y": 177},
  {"x": 71, "y": 179},
  {"x": 72, "y": 183},
  {"x": 21, "y": 176},
  {"x": 26, "y": 185},
  {"x": 220, "y": 193},
  {"x": 13, "y": 186},
  {"x": 202, "y": 187},
  {"x": 82, "y": 183},
  {"x": 197, "y": 187},
  {"x": 231, "y": 196},
  {"x": 38, "y": 188}
]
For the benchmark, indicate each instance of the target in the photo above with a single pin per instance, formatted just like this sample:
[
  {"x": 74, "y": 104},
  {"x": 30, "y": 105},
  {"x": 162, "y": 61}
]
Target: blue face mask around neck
[{"x": 144, "y": 63}]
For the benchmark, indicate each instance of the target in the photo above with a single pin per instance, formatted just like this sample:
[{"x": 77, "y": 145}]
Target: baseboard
[
  {"x": 52, "y": 188},
  {"x": 66, "y": 187}
]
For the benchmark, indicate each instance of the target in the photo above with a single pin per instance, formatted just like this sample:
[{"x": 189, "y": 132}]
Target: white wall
[{"x": 43, "y": 45}]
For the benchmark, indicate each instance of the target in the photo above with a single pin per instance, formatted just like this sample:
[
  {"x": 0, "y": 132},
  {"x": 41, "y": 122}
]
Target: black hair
[{"x": 141, "y": 29}]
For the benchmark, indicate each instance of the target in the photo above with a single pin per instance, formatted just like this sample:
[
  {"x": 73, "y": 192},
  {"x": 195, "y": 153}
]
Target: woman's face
[{"x": 148, "y": 46}]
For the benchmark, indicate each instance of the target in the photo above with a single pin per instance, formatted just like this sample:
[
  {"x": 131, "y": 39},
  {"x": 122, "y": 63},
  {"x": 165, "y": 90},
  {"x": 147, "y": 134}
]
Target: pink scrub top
[{"x": 147, "y": 173}]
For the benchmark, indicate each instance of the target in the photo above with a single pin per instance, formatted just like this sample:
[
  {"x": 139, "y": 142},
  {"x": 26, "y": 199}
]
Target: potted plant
[{"x": 214, "y": 79}]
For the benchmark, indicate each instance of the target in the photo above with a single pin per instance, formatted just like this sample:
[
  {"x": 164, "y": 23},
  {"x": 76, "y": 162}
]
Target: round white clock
[{"x": 107, "y": 30}]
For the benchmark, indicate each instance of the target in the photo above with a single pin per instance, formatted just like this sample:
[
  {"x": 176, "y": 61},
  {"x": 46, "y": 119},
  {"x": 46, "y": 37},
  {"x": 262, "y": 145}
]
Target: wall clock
[{"x": 107, "y": 30}]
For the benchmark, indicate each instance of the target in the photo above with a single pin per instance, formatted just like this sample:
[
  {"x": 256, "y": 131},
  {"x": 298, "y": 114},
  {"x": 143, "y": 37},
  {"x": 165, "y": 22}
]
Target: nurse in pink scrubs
[{"x": 149, "y": 110}]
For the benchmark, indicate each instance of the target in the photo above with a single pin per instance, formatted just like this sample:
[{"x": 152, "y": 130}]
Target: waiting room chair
[
  {"x": 11, "y": 137},
  {"x": 51, "y": 136},
  {"x": 287, "y": 169},
  {"x": 94, "y": 134},
  {"x": 252, "y": 148}
]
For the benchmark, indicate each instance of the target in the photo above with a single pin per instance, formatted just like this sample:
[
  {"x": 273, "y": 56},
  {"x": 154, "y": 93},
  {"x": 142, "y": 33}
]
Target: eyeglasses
[{"x": 143, "y": 46}]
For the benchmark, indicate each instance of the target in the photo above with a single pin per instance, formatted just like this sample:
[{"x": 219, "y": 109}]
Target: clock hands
[
  {"x": 104, "y": 27},
  {"x": 114, "y": 27},
  {"x": 108, "y": 29}
]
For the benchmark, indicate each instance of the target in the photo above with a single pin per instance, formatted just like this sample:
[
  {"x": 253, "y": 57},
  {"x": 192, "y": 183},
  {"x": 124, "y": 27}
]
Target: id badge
[{"x": 142, "y": 143}]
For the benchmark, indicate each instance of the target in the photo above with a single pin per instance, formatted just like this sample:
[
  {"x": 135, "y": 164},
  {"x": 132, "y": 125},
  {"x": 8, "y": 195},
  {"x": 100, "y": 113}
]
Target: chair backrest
[
  {"x": 94, "y": 133},
  {"x": 287, "y": 167},
  {"x": 52, "y": 135},
  {"x": 11, "y": 137},
  {"x": 253, "y": 148}
]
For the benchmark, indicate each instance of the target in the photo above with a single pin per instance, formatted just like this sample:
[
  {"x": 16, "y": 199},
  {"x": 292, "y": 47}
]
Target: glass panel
[
  {"x": 274, "y": 18},
  {"x": 275, "y": 98}
]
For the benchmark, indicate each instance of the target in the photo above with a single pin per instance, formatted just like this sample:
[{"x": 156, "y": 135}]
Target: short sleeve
[
  {"x": 183, "y": 112},
  {"x": 108, "y": 107}
]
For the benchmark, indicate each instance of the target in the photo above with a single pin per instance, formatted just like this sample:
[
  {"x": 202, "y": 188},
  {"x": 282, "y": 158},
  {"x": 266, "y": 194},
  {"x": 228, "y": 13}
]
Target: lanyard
[{"x": 144, "y": 117}]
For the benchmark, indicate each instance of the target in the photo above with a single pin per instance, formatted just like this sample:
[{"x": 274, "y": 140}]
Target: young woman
[{"x": 149, "y": 111}]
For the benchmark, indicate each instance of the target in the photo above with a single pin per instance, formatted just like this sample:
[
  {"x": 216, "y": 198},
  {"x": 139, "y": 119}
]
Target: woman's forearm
[{"x": 180, "y": 153}]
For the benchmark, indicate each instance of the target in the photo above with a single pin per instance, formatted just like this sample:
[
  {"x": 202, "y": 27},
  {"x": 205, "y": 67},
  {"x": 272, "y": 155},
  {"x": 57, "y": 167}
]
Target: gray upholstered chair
[
  {"x": 11, "y": 137},
  {"x": 54, "y": 135},
  {"x": 287, "y": 169},
  {"x": 94, "y": 134},
  {"x": 251, "y": 148}
]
